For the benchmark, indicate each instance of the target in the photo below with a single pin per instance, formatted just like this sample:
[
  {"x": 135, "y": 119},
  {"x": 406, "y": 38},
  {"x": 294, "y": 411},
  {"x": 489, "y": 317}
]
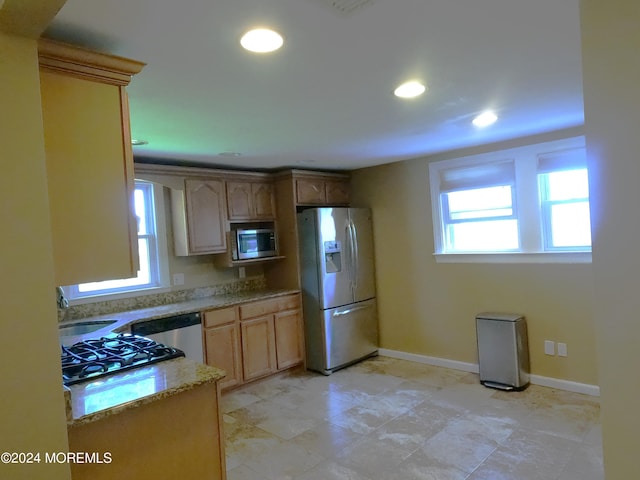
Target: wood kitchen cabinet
[
  {"x": 321, "y": 190},
  {"x": 338, "y": 192},
  {"x": 258, "y": 347},
  {"x": 250, "y": 201},
  {"x": 222, "y": 344},
  {"x": 198, "y": 215},
  {"x": 179, "y": 436},
  {"x": 254, "y": 339},
  {"x": 289, "y": 344},
  {"x": 271, "y": 335},
  {"x": 89, "y": 162}
]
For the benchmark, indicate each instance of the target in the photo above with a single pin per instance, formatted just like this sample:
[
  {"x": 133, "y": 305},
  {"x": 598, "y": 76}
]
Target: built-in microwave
[{"x": 255, "y": 243}]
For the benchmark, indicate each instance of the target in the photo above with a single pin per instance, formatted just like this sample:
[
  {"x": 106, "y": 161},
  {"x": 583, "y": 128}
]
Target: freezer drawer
[
  {"x": 350, "y": 333},
  {"x": 503, "y": 352}
]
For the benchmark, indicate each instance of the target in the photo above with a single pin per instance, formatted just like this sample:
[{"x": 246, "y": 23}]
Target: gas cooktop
[{"x": 89, "y": 359}]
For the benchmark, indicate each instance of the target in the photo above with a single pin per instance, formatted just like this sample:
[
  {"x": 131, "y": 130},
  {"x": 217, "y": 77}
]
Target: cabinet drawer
[
  {"x": 266, "y": 307},
  {"x": 257, "y": 309},
  {"x": 221, "y": 316},
  {"x": 290, "y": 302}
]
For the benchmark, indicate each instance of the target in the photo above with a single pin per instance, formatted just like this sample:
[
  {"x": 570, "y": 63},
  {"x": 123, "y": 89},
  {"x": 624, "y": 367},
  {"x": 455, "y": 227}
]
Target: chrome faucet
[{"x": 61, "y": 300}]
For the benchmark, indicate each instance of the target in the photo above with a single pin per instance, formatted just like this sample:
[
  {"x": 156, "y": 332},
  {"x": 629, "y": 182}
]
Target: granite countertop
[
  {"x": 123, "y": 320},
  {"x": 90, "y": 401}
]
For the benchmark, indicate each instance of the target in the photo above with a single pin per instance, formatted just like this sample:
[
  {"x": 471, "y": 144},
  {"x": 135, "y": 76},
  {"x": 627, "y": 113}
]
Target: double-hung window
[
  {"x": 529, "y": 200},
  {"x": 150, "y": 274},
  {"x": 564, "y": 200},
  {"x": 479, "y": 207}
]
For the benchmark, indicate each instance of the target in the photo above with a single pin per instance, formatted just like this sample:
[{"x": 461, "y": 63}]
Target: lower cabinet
[
  {"x": 180, "y": 436},
  {"x": 258, "y": 347},
  {"x": 223, "y": 351},
  {"x": 254, "y": 339},
  {"x": 289, "y": 348},
  {"x": 222, "y": 344}
]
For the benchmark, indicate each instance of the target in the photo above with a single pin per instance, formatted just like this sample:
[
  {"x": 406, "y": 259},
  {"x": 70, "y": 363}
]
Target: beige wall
[
  {"x": 611, "y": 75},
  {"x": 429, "y": 308},
  {"x": 32, "y": 410}
]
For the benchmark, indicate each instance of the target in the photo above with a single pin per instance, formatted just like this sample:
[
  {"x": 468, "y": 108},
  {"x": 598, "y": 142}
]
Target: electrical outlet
[
  {"x": 241, "y": 272},
  {"x": 549, "y": 347},
  {"x": 562, "y": 349},
  {"x": 178, "y": 279}
]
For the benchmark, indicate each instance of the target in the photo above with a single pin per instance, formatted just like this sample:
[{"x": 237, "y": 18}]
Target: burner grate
[{"x": 89, "y": 359}]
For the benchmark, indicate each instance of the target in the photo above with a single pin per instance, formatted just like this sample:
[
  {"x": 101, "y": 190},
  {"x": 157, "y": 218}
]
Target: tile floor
[{"x": 391, "y": 419}]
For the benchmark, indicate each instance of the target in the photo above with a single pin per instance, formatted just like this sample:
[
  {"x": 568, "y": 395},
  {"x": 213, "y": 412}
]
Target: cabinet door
[
  {"x": 337, "y": 192},
  {"x": 310, "y": 191},
  {"x": 258, "y": 347},
  {"x": 263, "y": 201},
  {"x": 205, "y": 199},
  {"x": 239, "y": 200},
  {"x": 288, "y": 328},
  {"x": 90, "y": 179},
  {"x": 222, "y": 350}
]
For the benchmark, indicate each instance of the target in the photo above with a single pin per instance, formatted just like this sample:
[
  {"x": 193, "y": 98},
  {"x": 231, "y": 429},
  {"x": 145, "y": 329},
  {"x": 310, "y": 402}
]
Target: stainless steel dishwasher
[{"x": 180, "y": 331}]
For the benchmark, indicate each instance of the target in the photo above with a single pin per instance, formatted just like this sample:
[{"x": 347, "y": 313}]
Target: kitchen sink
[{"x": 81, "y": 328}]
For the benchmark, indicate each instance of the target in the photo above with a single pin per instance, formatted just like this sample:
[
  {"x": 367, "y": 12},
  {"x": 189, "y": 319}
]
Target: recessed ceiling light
[
  {"x": 409, "y": 90},
  {"x": 229, "y": 154},
  {"x": 485, "y": 119},
  {"x": 261, "y": 40},
  {"x": 135, "y": 142}
]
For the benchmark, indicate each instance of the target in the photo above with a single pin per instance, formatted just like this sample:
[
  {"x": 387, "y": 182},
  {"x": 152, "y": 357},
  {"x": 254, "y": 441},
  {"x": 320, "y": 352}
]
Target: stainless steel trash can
[{"x": 503, "y": 350}]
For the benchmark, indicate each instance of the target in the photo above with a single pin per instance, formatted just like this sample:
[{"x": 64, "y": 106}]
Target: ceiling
[{"x": 325, "y": 100}]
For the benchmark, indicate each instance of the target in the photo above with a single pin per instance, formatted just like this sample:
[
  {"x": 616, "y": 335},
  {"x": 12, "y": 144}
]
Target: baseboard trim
[{"x": 557, "y": 383}]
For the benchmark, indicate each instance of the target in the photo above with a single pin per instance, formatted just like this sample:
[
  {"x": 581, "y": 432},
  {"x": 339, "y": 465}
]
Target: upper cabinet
[
  {"x": 89, "y": 162},
  {"x": 198, "y": 213},
  {"x": 250, "y": 200},
  {"x": 319, "y": 189}
]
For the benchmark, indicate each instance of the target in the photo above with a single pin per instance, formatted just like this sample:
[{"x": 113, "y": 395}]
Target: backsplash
[{"x": 144, "y": 301}]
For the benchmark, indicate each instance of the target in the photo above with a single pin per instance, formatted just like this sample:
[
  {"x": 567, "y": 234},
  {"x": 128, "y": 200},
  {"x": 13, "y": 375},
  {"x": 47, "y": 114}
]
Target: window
[
  {"x": 150, "y": 272},
  {"x": 564, "y": 200},
  {"x": 479, "y": 208},
  {"x": 529, "y": 200}
]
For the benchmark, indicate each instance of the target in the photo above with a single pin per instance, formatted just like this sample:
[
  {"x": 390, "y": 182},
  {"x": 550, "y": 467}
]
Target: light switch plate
[
  {"x": 178, "y": 279},
  {"x": 562, "y": 349},
  {"x": 241, "y": 272},
  {"x": 549, "y": 347}
]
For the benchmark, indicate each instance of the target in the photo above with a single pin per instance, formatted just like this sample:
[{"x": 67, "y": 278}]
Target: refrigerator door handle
[
  {"x": 349, "y": 251},
  {"x": 350, "y": 310},
  {"x": 352, "y": 259},
  {"x": 354, "y": 242}
]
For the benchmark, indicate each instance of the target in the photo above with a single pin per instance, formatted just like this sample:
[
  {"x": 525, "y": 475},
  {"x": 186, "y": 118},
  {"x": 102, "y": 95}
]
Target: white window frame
[
  {"x": 158, "y": 253},
  {"x": 527, "y": 206}
]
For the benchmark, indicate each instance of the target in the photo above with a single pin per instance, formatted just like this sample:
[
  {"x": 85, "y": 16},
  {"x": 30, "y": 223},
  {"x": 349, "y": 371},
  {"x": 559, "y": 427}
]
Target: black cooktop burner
[{"x": 86, "y": 360}]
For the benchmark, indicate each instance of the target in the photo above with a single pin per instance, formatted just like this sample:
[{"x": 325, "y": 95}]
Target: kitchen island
[{"x": 156, "y": 421}]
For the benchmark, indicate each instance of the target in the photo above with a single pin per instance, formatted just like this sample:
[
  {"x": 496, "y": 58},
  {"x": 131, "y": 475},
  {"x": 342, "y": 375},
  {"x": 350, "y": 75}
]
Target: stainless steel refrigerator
[{"x": 338, "y": 286}]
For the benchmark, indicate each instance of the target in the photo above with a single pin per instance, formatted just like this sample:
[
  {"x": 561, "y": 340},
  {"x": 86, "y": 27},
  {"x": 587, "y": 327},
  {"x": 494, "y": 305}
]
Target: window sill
[{"x": 515, "y": 257}]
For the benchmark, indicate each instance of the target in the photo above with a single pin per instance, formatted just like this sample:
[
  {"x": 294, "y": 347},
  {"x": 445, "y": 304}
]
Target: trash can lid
[{"x": 505, "y": 317}]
